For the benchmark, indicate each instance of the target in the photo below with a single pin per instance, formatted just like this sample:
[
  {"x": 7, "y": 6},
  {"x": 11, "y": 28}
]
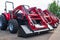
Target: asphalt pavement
[
  {"x": 56, "y": 34},
  {"x": 5, "y": 35}
]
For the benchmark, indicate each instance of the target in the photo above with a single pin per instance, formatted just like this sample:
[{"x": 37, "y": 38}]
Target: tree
[{"x": 54, "y": 8}]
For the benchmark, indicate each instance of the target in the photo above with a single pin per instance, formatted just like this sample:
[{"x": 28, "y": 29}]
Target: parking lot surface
[{"x": 5, "y": 35}]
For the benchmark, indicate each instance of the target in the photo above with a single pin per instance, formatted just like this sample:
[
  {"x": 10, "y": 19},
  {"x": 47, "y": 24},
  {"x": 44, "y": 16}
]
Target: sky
[{"x": 43, "y": 4}]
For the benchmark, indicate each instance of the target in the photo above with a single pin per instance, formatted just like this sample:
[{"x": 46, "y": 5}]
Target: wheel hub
[{"x": 10, "y": 27}]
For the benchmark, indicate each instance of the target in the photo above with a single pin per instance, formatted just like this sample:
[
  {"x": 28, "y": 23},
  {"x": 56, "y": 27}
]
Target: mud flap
[{"x": 50, "y": 27}]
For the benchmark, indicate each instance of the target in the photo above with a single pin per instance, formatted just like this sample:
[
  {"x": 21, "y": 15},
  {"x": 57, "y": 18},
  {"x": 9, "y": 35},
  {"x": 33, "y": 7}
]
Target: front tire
[{"x": 13, "y": 26}]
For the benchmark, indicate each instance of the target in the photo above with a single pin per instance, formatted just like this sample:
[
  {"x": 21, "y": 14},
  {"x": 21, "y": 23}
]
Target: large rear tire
[
  {"x": 3, "y": 22},
  {"x": 13, "y": 26}
]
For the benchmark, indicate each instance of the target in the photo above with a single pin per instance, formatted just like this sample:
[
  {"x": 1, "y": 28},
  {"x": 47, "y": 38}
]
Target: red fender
[{"x": 7, "y": 16}]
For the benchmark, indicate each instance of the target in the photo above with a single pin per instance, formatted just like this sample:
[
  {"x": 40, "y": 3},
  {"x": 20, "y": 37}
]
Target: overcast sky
[{"x": 43, "y": 4}]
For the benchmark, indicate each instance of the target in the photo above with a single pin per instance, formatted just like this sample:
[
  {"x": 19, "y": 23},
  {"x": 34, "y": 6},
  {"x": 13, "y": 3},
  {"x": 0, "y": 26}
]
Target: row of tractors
[{"x": 26, "y": 21}]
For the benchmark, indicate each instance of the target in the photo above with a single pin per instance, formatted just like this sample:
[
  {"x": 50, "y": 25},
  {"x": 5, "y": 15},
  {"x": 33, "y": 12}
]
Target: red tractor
[
  {"x": 22, "y": 20},
  {"x": 55, "y": 18},
  {"x": 28, "y": 23},
  {"x": 51, "y": 19},
  {"x": 5, "y": 17},
  {"x": 48, "y": 19},
  {"x": 34, "y": 10}
]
